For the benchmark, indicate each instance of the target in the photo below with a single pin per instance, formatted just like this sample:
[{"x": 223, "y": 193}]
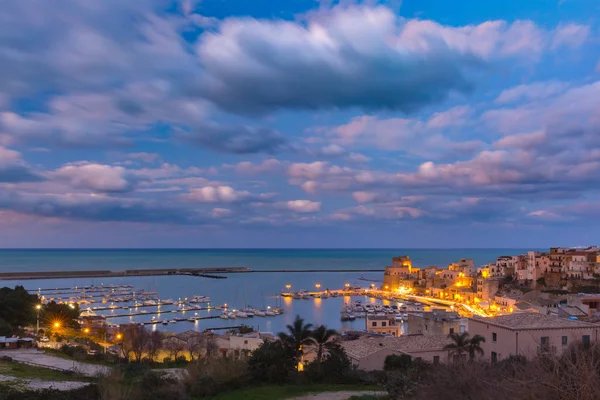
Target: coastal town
[{"x": 521, "y": 304}]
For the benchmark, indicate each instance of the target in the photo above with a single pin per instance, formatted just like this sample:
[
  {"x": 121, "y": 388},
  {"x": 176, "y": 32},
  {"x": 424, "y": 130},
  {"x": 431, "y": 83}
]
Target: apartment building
[{"x": 529, "y": 334}]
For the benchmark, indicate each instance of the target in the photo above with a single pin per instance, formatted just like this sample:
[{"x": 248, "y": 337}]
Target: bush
[
  {"x": 6, "y": 358},
  {"x": 210, "y": 376},
  {"x": 394, "y": 362}
]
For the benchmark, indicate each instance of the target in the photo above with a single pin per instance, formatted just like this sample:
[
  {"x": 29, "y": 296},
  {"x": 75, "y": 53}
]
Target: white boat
[
  {"x": 259, "y": 313},
  {"x": 224, "y": 316},
  {"x": 172, "y": 321},
  {"x": 242, "y": 314},
  {"x": 270, "y": 313},
  {"x": 192, "y": 319},
  {"x": 168, "y": 301},
  {"x": 165, "y": 322},
  {"x": 200, "y": 299}
]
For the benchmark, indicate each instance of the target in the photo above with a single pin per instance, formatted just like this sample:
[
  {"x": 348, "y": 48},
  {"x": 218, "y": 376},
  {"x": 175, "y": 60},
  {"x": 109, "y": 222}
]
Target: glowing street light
[
  {"x": 318, "y": 285},
  {"x": 38, "y": 307},
  {"x": 119, "y": 336},
  {"x": 86, "y": 330},
  {"x": 288, "y": 286},
  {"x": 347, "y": 285},
  {"x": 56, "y": 325}
]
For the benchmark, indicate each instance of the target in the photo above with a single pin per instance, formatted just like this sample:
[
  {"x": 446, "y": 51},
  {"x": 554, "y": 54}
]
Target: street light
[
  {"x": 347, "y": 285},
  {"x": 38, "y": 307},
  {"x": 288, "y": 286},
  {"x": 86, "y": 330},
  {"x": 318, "y": 285},
  {"x": 119, "y": 336},
  {"x": 57, "y": 325}
]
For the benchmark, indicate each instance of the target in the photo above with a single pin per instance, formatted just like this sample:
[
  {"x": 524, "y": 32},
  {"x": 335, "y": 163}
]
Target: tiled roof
[
  {"x": 367, "y": 345},
  {"x": 532, "y": 321}
]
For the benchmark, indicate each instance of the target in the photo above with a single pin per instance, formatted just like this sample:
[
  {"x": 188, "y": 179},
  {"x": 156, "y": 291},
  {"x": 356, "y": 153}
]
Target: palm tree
[
  {"x": 299, "y": 335},
  {"x": 463, "y": 344},
  {"x": 460, "y": 345},
  {"x": 475, "y": 346},
  {"x": 322, "y": 339}
]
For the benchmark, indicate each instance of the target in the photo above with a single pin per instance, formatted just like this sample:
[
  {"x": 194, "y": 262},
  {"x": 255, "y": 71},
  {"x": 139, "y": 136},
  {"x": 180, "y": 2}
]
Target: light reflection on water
[{"x": 258, "y": 290}]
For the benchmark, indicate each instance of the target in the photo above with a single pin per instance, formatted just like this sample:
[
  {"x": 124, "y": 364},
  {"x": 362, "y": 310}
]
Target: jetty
[
  {"x": 212, "y": 273},
  {"x": 21, "y": 275}
]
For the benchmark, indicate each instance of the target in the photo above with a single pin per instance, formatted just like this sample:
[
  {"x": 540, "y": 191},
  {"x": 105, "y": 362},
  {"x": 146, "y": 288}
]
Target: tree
[
  {"x": 196, "y": 345},
  {"x": 463, "y": 344},
  {"x": 154, "y": 345},
  {"x": 270, "y": 362},
  {"x": 135, "y": 342},
  {"x": 64, "y": 314},
  {"x": 475, "y": 346},
  {"x": 395, "y": 362},
  {"x": 322, "y": 338},
  {"x": 299, "y": 335},
  {"x": 460, "y": 345},
  {"x": 175, "y": 346},
  {"x": 18, "y": 309}
]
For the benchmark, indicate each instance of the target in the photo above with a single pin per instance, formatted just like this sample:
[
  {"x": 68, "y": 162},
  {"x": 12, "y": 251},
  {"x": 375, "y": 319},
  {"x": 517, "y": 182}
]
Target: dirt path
[
  {"x": 40, "y": 359},
  {"x": 337, "y": 395}
]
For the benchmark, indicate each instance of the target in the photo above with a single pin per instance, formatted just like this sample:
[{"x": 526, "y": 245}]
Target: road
[{"x": 44, "y": 360}]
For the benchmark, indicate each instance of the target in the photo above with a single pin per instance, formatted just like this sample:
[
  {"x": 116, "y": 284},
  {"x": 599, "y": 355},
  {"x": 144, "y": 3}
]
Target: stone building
[{"x": 436, "y": 322}]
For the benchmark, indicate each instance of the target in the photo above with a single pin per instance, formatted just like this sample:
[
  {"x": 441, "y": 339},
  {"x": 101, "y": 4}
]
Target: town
[{"x": 529, "y": 305}]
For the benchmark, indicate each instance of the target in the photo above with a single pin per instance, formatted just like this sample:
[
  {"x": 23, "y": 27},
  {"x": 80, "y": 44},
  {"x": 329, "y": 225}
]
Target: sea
[{"x": 259, "y": 290}]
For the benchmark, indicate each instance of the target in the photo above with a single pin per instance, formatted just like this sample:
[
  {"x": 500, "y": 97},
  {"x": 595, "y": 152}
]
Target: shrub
[
  {"x": 210, "y": 376},
  {"x": 271, "y": 362}
]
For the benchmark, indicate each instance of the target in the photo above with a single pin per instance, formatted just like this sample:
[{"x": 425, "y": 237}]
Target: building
[
  {"x": 369, "y": 352},
  {"x": 395, "y": 275},
  {"x": 464, "y": 265},
  {"x": 529, "y": 334},
  {"x": 383, "y": 324},
  {"x": 436, "y": 322},
  {"x": 487, "y": 288}
]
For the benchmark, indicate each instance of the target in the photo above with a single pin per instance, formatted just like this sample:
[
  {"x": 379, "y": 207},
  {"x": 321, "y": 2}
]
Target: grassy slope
[
  {"x": 30, "y": 372},
  {"x": 273, "y": 392}
]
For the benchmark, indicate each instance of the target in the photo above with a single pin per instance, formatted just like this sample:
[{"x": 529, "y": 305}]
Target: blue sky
[{"x": 299, "y": 123}]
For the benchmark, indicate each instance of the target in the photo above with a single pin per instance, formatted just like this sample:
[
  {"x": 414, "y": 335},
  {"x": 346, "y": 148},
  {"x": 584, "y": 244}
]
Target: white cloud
[
  {"x": 216, "y": 194},
  {"x": 95, "y": 177}
]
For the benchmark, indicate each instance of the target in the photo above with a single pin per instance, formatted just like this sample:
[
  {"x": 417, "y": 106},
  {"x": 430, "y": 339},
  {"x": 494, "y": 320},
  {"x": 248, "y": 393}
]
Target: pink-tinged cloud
[
  {"x": 95, "y": 177},
  {"x": 303, "y": 206},
  {"x": 216, "y": 194}
]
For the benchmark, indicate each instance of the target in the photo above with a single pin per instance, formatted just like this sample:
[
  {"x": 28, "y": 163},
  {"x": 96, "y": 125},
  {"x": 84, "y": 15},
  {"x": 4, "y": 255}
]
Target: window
[
  {"x": 436, "y": 360},
  {"x": 382, "y": 323},
  {"x": 545, "y": 343},
  {"x": 586, "y": 340},
  {"x": 373, "y": 323},
  {"x": 494, "y": 337},
  {"x": 494, "y": 357},
  {"x": 245, "y": 342},
  {"x": 451, "y": 331},
  {"x": 565, "y": 340}
]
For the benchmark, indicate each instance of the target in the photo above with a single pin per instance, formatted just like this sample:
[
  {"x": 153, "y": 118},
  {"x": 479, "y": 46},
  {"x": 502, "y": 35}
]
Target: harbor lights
[
  {"x": 372, "y": 286},
  {"x": 288, "y": 286},
  {"x": 56, "y": 325},
  {"x": 347, "y": 285},
  {"x": 318, "y": 286},
  {"x": 86, "y": 330}
]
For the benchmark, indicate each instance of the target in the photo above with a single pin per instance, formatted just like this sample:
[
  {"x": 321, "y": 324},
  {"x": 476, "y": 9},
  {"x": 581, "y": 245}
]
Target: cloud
[
  {"x": 216, "y": 194},
  {"x": 97, "y": 208},
  {"x": 454, "y": 117},
  {"x": 570, "y": 35},
  {"x": 533, "y": 91},
  {"x": 248, "y": 168},
  {"x": 148, "y": 158},
  {"x": 96, "y": 177},
  {"x": 240, "y": 139},
  {"x": 14, "y": 170},
  {"x": 302, "y": 206}
]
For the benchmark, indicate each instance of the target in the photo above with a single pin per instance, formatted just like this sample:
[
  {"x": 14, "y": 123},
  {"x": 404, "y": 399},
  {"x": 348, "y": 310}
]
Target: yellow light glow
[
  {"x": 57, "y": 324},
  {"x": 347, "y": 285},
  {"x": 288, "y": 286},
  {"x": 119, "y": 336},
  {"x": 318, "y": 285},
  {"x": 86, "y": 330},
  {"x": 38, "y": 307},
  {"x": 300, "y": 366}
]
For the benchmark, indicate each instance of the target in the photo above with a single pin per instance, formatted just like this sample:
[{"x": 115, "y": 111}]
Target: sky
[{"x": 299, "y": 123}]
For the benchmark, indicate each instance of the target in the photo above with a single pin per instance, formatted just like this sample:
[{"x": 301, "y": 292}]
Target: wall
[{"x": 375, "y": 361}]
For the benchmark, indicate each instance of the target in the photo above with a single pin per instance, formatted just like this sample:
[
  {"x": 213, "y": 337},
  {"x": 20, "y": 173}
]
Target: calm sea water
[{"x": 256, "y": 289}]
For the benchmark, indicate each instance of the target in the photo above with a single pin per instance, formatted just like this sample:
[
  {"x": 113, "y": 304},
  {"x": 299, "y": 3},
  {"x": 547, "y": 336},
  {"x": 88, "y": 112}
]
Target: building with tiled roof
[
  {"x": 530, "y": 334},
  {"x": 369, "y": 351}
]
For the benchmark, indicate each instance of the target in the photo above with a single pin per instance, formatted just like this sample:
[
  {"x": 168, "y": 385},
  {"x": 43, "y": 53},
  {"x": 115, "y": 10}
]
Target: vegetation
[
  {"x": 299, "y": 335},
  {"x": 24, "y": 371},
  {"x": 65, "y": 315},
  {"x": 18, "y": 310},
  {"x": 277, "y": 392},
  {"x": 463, "y": 344}
]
